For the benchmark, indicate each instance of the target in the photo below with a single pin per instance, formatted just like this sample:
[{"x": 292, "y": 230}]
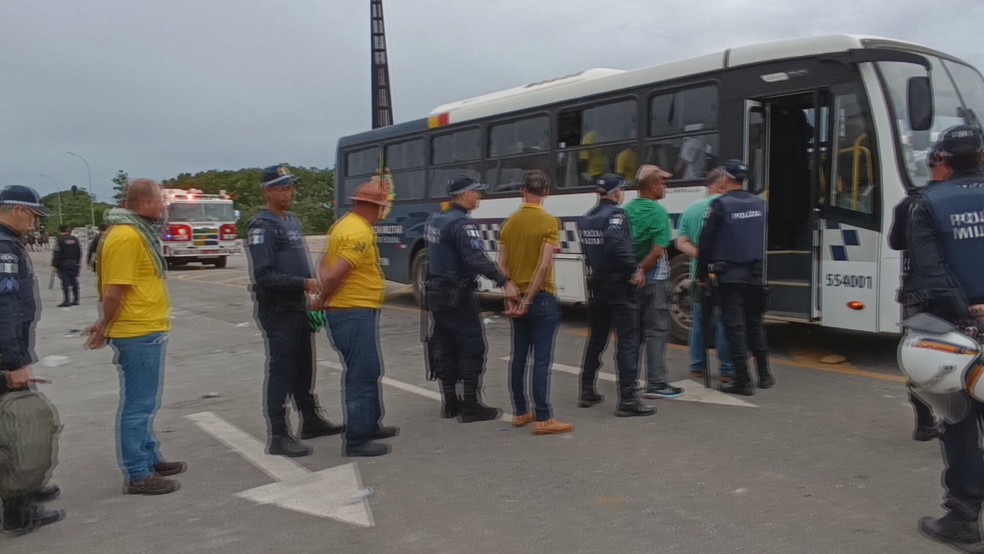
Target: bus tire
[
  {"x": 680, "y": 317},
  {"x": 418, "y": 274},
  {"x": 220, "y": 263}
]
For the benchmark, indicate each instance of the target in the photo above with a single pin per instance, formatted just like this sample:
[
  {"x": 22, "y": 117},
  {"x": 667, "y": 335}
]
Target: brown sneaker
[
  {"x": 551, "y": 427},
  {"x": 167, "y": 469},
  {"x": 523, "y": 420},
  {"x": 153, "y": 485}
]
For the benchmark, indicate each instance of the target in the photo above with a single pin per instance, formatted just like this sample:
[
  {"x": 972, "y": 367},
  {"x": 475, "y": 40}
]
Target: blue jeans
[
  {"x": 354, "y": 334},
  {"x": 698, "y": 361},
  {"x": 534, "y": 331},
  {"x": 141, "y": 364}
]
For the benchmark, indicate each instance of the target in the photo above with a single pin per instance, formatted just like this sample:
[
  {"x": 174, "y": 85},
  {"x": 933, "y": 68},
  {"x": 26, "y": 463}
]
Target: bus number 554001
[{"x": 850, "y": 281}]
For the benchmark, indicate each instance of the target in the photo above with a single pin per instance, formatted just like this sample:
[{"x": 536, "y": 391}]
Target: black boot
[
  {"x": 451, "y": 403},
  {"x": 925, "y": 433},
  {"x": 766, "y": 381},
  {"x": 286, "y": 445},
  {"x": 473, "y": 410},
  {"x": 65, "y": 303},
  {"x": 630, "y": 406},
  {"x": 22, "y": 517},
  {"x": 743, "y": 389},
  {"x": 313, "y": 425},
  {"x": 950, "y": 530},
  {"x": 589, "y": 397}
]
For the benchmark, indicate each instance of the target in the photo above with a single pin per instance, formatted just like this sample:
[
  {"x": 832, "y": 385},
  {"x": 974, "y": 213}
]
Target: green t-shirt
[
  {"x": 650, "y": 225},
  {"x": 692, "y": 223}
]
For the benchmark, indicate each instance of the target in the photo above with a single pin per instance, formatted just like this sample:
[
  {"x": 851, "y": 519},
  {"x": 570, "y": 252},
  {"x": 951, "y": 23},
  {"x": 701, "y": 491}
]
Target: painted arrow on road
[{"x": 336, "y": 492}]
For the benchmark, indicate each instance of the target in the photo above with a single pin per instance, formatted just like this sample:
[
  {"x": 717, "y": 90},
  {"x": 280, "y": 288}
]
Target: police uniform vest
[
  {"x": 958, "y": 213},
  {"x": 740, "y": 242},
  {"x": 443, "y": 258},
  {"x": 69, "y": 252},
  {"x": 591, "y": 227}
]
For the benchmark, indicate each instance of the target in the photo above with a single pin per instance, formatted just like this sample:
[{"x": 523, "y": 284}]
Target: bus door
[{"x": 786, "y": 145}]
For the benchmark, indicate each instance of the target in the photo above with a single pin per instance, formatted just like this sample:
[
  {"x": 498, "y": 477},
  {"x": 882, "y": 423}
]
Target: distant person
[
  {"x": 93, "y": 249},
  {"x": 927, "y": 428},
  {"x": 731, "y": 257},
  {"x": 456, "y": 257},
  {"x": 135, "y": 318},
  {"x": 352, "y": 293},
  {"x": 281, "y": 275},
  {"x": 692, "y": 160},
  {"x": 66, "y": 259},
  {"x": 20, "y": 309},
  {"x": 613, "y": 297},
  {"x": 688, "y": 242},
  {"x": 651, "y": 235},
  {"x": 527, "y": 243}
]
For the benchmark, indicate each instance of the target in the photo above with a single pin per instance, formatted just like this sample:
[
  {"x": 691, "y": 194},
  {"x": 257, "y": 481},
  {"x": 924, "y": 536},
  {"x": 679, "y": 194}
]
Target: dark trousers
[
  {"x": 535, "y": 332},
  {"x": 290, "y": 365},
  {"x": 963, "y": 456},
  {"x": 458, "y": 342},
  {"x": 613, "y": 304},
  {"x": 742, "y": 306},
  {"x": 70, "y": 283}
]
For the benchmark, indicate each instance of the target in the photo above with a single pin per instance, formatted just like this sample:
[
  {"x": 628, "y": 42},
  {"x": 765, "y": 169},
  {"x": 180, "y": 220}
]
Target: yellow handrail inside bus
[{"x": 857, "y": 152}]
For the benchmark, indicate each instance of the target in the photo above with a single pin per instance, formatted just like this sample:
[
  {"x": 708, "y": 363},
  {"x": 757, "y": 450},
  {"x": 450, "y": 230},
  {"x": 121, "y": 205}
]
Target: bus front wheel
[
  {"x": 680, "y": 317},
  {"x": 418, "y": 275}
]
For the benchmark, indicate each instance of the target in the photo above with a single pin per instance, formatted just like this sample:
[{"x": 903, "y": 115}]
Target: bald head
[{"x": 143, "y": 197}]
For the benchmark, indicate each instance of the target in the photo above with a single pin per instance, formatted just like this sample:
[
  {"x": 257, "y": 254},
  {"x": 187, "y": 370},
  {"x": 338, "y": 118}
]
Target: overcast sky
[{"x": 163, "y": 87}]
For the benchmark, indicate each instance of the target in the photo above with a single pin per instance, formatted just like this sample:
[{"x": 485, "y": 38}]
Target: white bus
[{"x": 835, "y": 130}]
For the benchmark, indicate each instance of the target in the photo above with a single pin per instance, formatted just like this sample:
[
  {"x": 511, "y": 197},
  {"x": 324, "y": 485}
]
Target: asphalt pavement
[{"x": 823, "y": 462}]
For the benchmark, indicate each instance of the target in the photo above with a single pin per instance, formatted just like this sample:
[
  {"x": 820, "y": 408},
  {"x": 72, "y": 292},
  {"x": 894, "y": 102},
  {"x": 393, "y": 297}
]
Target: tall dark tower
[{"x": 382, "y": 103}]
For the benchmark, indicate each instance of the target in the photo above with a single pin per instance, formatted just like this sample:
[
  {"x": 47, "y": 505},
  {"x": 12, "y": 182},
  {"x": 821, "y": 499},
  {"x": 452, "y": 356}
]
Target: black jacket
[
  {"x": 19, "y": 305},
  {"x": 278, "y": 262}
]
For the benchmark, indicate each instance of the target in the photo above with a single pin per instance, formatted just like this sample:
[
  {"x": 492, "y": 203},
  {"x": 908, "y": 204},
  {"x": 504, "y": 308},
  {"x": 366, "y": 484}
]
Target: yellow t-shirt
[
  {"x": 523, "y": 234},
  {"x": 626, "y": 164},
  {"x": 353, "y": 240},
  {"x": 125, "y": 259},
  {"x": 594, "y": 156}
]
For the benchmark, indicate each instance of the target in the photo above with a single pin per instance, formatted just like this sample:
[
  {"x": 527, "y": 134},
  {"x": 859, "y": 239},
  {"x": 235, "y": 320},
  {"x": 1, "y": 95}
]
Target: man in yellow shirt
[
  {"x": 352, "y": 291},
  {"x": 527, "y": 244},
  {"x": 136, "y": 319}
]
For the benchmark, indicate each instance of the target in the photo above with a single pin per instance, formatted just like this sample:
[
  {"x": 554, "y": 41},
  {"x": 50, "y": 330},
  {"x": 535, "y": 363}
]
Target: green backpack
[{"x": 28, "y": 441}]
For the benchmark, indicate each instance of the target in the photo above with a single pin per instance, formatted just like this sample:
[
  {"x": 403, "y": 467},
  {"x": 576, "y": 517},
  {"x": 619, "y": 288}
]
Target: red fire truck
[{"x": 199, "y": 227}]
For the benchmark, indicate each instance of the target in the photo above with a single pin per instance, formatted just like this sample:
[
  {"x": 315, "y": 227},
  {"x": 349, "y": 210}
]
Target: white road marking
[
  {"x": 692, "y": 391},
  {"x": 335, "y": 492}
]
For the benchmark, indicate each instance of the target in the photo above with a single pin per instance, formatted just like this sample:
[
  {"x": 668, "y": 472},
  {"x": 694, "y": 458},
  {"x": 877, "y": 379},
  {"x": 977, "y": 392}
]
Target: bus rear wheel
[
  {"x": 418, "y": 275},
  {"x": 219, "y": 263},
  {"x": 680, "y": 316}
]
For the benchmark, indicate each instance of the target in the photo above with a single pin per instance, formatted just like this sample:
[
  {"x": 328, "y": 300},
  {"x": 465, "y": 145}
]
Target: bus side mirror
[{"x": 919, "y": 103}]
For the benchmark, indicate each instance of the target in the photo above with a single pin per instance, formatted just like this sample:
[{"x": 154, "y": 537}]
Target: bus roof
[{"x": 597, "y": 81}]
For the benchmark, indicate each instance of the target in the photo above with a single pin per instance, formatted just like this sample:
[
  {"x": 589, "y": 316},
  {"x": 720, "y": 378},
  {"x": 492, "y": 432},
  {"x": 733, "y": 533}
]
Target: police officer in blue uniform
[
  {"x": 20, "y": 309},
  {"x": 946, "y": 256},
  {"x": 281, "y": 275},
  {"x": 613, "y": 287},
  {"x": 732, "y": 251},
  {"x": 456, "y": 256},
  {"x": 66, "y": 259}
]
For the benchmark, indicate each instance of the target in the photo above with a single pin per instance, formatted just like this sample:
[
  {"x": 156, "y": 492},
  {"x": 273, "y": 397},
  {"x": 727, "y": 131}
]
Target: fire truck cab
[{"x": 198, "y": 227}]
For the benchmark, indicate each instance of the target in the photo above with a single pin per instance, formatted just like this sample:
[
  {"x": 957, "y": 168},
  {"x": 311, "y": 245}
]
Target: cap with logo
[
  {"x": 277, "y": 176},
  {"x": 648, "y": 171},
  {"x": 19, "y": 195},
  {"x": 464, "y": 183},
  {"x": 371, "y": 192},
  {"x": 736, "y": 169},
  {"x": 609, "y": 183},
  {"x": 961, "y": 138}
]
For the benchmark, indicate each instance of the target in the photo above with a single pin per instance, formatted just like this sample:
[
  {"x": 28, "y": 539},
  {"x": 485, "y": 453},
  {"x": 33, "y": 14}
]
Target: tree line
[{"x": 313, "y": 205}]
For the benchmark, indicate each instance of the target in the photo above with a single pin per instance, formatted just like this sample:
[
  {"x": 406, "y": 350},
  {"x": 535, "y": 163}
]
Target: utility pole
[{"x": 382, "y": 102}]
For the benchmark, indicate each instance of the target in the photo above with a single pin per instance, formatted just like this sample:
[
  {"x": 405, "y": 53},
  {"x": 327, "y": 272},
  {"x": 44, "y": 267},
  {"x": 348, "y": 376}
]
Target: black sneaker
[
  {"x": 385, "y": 432},
  {"x": 767, "y": 382},
  {"x": 960, "y": 534},
  {"x": 314, "y": 425},
  {"x": 367, "y": 449},
  {"x": 663, "y": 390},
  {"x": 589, "y": 398},
  {"x": 286, "y": 445},
  {"x": 736, "y": 388},
  {"x": 634, "y": 407},
  {"x": 472, "y": 412},
  {"x": 925, "y": 433},
  {"x": 30, "y": 519}
]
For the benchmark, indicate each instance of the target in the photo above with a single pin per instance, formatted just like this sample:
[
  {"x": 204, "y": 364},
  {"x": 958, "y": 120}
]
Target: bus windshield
[
  {"x": 201, "y": 211},
  {"x": 958, "y": 99}
]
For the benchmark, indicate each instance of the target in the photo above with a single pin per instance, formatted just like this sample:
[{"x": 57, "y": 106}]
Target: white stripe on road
[
  {"x": 278, "y": 467},
  {"x": 407, "y": 387}
]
